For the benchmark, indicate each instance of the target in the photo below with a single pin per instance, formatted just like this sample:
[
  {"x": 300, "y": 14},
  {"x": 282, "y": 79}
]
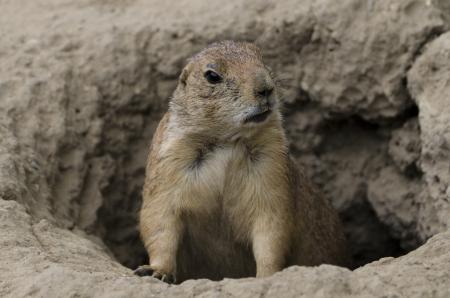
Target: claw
[
  {"x": 157, "y": 275},
  {"x": 146, "y": 270}
]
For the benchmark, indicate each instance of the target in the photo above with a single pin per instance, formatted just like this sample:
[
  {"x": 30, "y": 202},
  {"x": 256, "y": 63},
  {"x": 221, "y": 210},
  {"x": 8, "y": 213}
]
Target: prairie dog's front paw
[{"x": 146, "y": 270}]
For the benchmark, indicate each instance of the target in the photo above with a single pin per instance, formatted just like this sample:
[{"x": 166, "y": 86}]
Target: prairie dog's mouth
[{"x": 258, "y": 116}]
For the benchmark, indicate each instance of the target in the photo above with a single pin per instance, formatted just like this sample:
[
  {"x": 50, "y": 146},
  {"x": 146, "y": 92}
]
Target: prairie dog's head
[{"x": 228, "y": 88}]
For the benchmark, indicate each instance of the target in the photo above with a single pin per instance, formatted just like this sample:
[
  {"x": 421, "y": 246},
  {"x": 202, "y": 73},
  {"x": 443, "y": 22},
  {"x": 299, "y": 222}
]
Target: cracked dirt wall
[{"x": 83, "y": 85}]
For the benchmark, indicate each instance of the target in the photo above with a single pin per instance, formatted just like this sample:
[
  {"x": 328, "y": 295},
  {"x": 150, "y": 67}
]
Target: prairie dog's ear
[{"x": 185, "y": 73}]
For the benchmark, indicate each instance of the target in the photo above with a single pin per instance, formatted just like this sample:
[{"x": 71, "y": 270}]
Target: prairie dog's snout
[
  {"x": 264, "y": 98},
  {"x": 264, "y": 86}
]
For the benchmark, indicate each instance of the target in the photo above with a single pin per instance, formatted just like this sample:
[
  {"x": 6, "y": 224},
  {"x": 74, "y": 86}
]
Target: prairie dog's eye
[{"x": 212, "y": 77}]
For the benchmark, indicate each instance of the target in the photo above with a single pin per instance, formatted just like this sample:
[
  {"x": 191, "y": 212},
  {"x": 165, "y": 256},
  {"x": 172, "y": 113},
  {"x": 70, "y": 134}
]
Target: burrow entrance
[{"x": 369, "y": 238}]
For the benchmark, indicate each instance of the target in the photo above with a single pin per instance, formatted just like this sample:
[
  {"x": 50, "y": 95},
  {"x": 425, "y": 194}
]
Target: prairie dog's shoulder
[{"x": 158, "y": 138}]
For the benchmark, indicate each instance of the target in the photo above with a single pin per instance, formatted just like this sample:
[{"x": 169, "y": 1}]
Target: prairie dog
[{"x": 222, "y": 197}]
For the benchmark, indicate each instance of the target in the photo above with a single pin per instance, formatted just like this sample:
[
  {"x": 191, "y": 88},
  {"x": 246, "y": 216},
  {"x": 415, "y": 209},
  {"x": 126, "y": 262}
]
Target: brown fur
[{"x": 222, "y": 198}]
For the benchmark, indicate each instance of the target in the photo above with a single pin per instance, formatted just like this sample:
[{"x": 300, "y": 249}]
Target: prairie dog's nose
[{"x": 263, "y": 85}]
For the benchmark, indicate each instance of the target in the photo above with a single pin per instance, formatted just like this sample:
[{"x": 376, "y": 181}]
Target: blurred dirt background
[{"x": 83, "y": 84}]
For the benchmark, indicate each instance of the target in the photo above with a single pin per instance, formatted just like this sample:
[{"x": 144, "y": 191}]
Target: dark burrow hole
[{"x": 369, "y": 239}]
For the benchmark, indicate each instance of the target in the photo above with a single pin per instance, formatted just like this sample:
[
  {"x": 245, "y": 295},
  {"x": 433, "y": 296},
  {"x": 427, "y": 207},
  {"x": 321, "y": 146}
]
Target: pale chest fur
[{"x": 230, "y": 182}]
